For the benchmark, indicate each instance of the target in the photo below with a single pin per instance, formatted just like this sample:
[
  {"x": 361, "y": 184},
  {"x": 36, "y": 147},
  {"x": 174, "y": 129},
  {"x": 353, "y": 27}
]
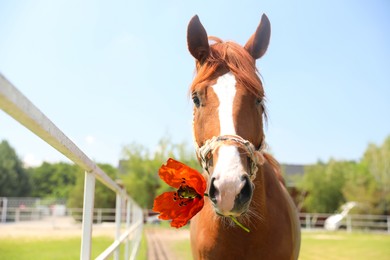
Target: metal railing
[{"x": 14, "y": 103}]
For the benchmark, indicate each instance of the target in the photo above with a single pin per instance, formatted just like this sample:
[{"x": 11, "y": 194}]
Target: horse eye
[
  {"x": 196, "y": 100},
  {"x": 258, "y": 101}
]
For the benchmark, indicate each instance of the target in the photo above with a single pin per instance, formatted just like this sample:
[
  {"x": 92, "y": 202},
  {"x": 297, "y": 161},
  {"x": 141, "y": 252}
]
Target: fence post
[
  {"x": 53, "y": 217},
  {"x": 14, "y": 103},
  {"x": 349, "y": 224},
  {"x": 137, "y": 218},
  {"x": 17, "y": 215},
  {"x": 118, "y": 213},
  {"x": 307, "y": 220},
  {"x": 128, "y": 209},
  {"x": 4, "y": 210},
  {"x": 388, "y": 224},
  {"x": 99, "y": 216},
  {"x": 89, "y": 196}
]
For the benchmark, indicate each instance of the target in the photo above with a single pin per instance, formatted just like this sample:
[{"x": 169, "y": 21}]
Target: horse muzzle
[
  {"x": 227, "y": 199},
  {"x": 232, "y": 163}
]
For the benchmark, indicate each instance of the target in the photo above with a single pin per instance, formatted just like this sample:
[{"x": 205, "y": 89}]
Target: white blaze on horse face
[
  {"x": 225, "y": 89},
  {"x": 228, "y": 169}
]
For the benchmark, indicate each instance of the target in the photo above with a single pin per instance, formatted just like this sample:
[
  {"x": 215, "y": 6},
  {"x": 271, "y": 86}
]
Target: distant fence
[
  {"x": 36, "y": 209},
  {"x": 309, "y": 221},
  {"x": 14, "y": 103},
  {"x": 14, "y": 215},
  {"x": 352, "y": 222}
]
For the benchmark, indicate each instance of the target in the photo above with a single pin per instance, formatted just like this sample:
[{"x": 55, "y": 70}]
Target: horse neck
[{"x": 273, "y": 223}]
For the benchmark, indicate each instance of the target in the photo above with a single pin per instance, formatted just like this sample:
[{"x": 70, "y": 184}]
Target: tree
[
  {"x": 53, "y": 180},
  {"x": 361, "y": 187},
  {"x": 139, "y": 174},
  {"x": 139, "y": 169},
  {"x": 323, "y": 184},
  {"x": 366, "y": 182},
  {"x": 14, "y": 180},
  {"x": 376, "y": 159},
  {"x": 104, "y": 197}
]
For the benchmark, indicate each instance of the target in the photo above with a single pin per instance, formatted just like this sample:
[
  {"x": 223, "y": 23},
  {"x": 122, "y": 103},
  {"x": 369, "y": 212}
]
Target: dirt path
[
  {"x": 160, "y": 242},
  {"x": 52, "y": 227}
]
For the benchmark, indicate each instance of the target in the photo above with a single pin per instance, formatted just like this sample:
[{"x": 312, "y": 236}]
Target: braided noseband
[{"x": 205, "y": 153}]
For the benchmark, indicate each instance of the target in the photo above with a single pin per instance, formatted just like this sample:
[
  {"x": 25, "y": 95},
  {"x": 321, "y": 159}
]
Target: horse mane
[
  {"x": 275, "y": 167},
  {"x": 229, "y": 56}
]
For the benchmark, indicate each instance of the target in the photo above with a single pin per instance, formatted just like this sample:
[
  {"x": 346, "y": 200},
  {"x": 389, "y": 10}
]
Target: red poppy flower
[{"x": 184, "y": 203}]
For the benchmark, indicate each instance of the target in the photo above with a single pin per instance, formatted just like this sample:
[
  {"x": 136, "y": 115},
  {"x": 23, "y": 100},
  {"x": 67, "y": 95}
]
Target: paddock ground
[
  {"x": 164, "y": 242},
  {"x": 58, "y": 227}
]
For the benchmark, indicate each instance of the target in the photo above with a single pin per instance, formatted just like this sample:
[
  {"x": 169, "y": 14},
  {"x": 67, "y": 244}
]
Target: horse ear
[
  {"x": 258, "y": 43},
  {"x": 198, "y": 43}
]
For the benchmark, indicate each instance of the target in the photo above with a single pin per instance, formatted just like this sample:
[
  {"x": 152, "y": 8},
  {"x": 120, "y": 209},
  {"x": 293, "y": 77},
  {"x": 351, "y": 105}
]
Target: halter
[{"x": 205, "y": 152}]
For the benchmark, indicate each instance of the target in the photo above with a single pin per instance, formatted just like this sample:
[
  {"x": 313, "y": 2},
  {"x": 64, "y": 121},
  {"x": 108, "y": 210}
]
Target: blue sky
[{"x": 110, "y": 73}]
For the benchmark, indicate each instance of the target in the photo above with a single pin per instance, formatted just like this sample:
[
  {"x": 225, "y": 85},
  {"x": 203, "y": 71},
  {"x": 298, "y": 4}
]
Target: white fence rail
[
  {"x": 15, "y": 215},
  {"x": 14, "y": 103},
  {"x": 351, "y": 222}
]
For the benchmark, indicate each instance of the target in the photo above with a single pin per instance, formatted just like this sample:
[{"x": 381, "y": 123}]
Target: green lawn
[
  {"x": 57, "y": 248},
  {"x": 61, "y": 249},
  {"x": 343, "y": 245},
  {"x": 182, "y": 249},
  {"x": 315, "y": 245},
  {"x": 329, "y": 246}
]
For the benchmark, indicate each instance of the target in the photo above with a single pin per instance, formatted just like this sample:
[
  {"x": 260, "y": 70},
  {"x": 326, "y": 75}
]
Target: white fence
[
  {"x": 33, "y": 214},
  {"x": 14, "y": 103},
  {"x": 352, "y": 222}
]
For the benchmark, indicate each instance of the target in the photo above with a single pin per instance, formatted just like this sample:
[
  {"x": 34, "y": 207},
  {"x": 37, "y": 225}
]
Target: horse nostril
[
  {"x": 213, "y": 192},
  {"x": 246, "y": 192}
]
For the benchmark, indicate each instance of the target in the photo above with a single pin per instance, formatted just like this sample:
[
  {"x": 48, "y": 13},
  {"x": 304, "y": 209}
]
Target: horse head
[{"x": 228, "y": 113}]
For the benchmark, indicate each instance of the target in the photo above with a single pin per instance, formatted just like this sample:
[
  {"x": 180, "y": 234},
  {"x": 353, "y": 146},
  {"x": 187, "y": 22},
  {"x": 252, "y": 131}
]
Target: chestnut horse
[{"x": 243, "y": 181}]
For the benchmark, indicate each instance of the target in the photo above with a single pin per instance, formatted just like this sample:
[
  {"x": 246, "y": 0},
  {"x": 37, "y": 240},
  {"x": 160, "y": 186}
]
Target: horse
[{"x": 243, "y": 181}]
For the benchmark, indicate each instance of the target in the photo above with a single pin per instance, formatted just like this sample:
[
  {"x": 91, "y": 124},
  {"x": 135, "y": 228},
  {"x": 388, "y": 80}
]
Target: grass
[
  {"x": 182, "y": 249},
  {"x": 143, "y": 249},
  {"x": 315, "y": 245},
  {"x": 61, "y": 249},
  {"x": 57, "y": 248},
  {"x": 325, "y": 245},
  {"x": 341, "y": 245}
]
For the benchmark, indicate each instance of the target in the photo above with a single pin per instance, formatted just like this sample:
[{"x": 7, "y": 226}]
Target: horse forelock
[{"x": 229, "y": 56}]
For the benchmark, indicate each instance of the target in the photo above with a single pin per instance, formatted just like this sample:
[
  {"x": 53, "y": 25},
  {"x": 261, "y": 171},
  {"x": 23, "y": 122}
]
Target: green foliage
[
  {"x": 53, "y": 180},
  {"x": 139, "y": 169},
  {"x": 361, "y": 187},
  {"x": 104, "y": 197},
  {"x": 377, "y": 162},
  {"x": 14, "y": 180},
  {"x": 323, "y": 184},
  {"x": 328, "y": 185}
]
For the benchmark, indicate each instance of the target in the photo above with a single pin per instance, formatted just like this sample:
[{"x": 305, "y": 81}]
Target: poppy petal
[
  {"x": 184, "y": 218},
  {"x": 174, "y": 173},
  {"x": 171, "y": 209}
]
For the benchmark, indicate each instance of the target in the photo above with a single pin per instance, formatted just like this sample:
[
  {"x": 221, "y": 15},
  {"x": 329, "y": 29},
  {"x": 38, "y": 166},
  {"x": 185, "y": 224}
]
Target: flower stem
[
  {"x": 234, "y": 219},
  {"x": 239, "y": 224}
]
